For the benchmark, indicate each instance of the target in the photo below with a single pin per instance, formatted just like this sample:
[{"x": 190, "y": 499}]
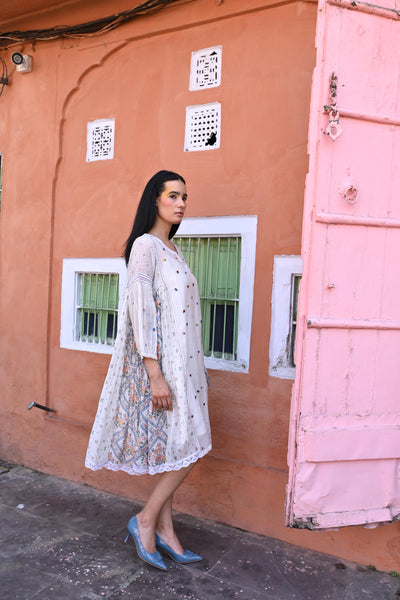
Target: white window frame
[
  {"x": 72, "y": 267},
  {"x": 285, "y": 266},
  {"x": 246, "y": 227}
]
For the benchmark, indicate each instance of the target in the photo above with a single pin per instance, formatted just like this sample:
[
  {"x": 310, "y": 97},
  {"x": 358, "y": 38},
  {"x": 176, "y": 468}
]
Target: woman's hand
[{"x": 160, "y": 392}]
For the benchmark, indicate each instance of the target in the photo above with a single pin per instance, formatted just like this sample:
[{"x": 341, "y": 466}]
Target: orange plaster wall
[{"x": 56, "y": 205}]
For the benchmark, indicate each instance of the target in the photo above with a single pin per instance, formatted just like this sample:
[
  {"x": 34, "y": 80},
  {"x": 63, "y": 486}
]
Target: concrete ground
[{"x": 64, "y": 541}]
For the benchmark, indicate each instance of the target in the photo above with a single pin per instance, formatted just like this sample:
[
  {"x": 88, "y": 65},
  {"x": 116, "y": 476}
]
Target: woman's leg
[
  {"x": 165, "y": 527},
  {"x": 157, "y": 513}
]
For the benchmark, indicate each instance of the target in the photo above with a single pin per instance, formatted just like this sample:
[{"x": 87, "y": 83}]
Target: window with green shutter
[
  {"x": 215, "y": 262},
  {"x": 90, "y": 292},
  {"x": 97, "y": 307}
]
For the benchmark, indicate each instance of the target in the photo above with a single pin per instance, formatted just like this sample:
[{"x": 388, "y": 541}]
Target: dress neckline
[{"x": 175, "y": 252}]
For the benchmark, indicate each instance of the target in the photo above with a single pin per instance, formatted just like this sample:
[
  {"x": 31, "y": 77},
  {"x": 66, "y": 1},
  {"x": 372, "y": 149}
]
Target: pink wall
[{"x": 56, "y": 205}]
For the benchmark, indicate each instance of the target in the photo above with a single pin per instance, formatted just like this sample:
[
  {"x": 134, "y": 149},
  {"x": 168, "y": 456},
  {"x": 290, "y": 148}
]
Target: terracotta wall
[{"x": 55, "y": 205}]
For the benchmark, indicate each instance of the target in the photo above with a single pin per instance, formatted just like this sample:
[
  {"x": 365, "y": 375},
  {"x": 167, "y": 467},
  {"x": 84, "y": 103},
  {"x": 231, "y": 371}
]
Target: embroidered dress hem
[{"x": 137, "y": 470}]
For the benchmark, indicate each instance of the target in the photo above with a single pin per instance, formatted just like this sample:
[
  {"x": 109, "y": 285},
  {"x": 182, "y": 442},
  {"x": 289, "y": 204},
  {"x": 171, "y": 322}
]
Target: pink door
[{"x": 344, "y": 448}]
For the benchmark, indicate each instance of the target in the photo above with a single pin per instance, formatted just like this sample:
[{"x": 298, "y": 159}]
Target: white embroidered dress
[{"x": 159, "y": 318}]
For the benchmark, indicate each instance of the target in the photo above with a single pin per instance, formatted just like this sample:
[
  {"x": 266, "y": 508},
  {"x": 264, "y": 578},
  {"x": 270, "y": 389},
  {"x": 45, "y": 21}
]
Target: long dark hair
[{"x": 146, "y": 211}]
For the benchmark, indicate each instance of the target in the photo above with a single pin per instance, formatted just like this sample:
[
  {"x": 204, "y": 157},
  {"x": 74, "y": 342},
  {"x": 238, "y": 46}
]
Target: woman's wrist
[{"x": 152, "y": 367}]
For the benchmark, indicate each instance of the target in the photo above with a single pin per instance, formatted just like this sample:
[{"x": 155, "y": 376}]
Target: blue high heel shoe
[
  {"x": 152, "y": 558},
  {"x": 186, "y": 557}
]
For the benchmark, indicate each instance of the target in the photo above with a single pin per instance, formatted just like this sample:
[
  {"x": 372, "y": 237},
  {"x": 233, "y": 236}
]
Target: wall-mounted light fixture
[{"x": 23, "y": 62}]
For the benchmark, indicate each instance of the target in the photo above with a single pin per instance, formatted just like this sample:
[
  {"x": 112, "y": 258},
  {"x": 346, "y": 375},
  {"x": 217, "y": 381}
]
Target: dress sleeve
[{"x": 142, "y": 308}]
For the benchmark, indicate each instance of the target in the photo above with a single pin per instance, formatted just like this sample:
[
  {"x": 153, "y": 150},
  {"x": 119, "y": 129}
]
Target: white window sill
[{"x": 283, "y": 372}]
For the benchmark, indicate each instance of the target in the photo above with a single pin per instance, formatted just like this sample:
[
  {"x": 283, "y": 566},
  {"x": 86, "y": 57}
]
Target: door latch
[{"x": 333, "y": 129}]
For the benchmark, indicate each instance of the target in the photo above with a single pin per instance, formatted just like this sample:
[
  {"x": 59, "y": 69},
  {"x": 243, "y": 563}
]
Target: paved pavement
[{"x": 64, "y": 541}]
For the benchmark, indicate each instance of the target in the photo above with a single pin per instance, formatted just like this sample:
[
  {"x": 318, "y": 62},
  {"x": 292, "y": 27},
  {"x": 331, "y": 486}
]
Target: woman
[{"x": 153, "y": 411}]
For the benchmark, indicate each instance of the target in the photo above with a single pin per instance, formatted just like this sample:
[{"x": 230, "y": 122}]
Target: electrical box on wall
[{"x": 26, "y": 65}]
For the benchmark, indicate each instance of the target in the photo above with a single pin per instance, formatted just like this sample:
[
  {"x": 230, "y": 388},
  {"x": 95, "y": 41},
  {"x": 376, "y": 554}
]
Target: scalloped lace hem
[{"x": 135, "y": 470}]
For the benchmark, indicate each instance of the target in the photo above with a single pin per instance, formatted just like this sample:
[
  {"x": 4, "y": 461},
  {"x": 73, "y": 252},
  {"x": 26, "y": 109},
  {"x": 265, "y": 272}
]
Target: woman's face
[{"x": 171, "y": 203}]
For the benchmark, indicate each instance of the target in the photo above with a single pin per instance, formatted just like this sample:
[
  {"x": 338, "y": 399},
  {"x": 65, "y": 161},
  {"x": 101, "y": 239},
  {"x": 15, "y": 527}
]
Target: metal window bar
[
  {"x": 225, "y": 306},
  {"x": 97, "y": 307},
  {"x": 215, "y": 261},
  {"x": 212, "y": 336},
  {"x": 226, "y": 290},
  {"x": 294, "y": 295},
  {"x": 203, "y": 299}
]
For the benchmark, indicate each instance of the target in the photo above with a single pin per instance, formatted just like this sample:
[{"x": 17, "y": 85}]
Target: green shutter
[
  {"x": 97, "y": 307},
  {"x": 215, "y": 261}
]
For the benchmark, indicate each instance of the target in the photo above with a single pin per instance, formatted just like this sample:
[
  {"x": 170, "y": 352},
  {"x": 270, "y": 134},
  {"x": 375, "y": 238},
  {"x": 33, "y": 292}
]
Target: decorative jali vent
[
  {"x": 205, "y": 69},
  {"x": 100, "y": 140},
  {"x": 203, "y": 127}
]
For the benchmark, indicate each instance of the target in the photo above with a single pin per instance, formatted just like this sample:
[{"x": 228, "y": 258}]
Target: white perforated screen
[
  {"x": 205, "y": 69},
  {"x": 100, "y": 140},
  {"x": 203, "y": 127}
]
